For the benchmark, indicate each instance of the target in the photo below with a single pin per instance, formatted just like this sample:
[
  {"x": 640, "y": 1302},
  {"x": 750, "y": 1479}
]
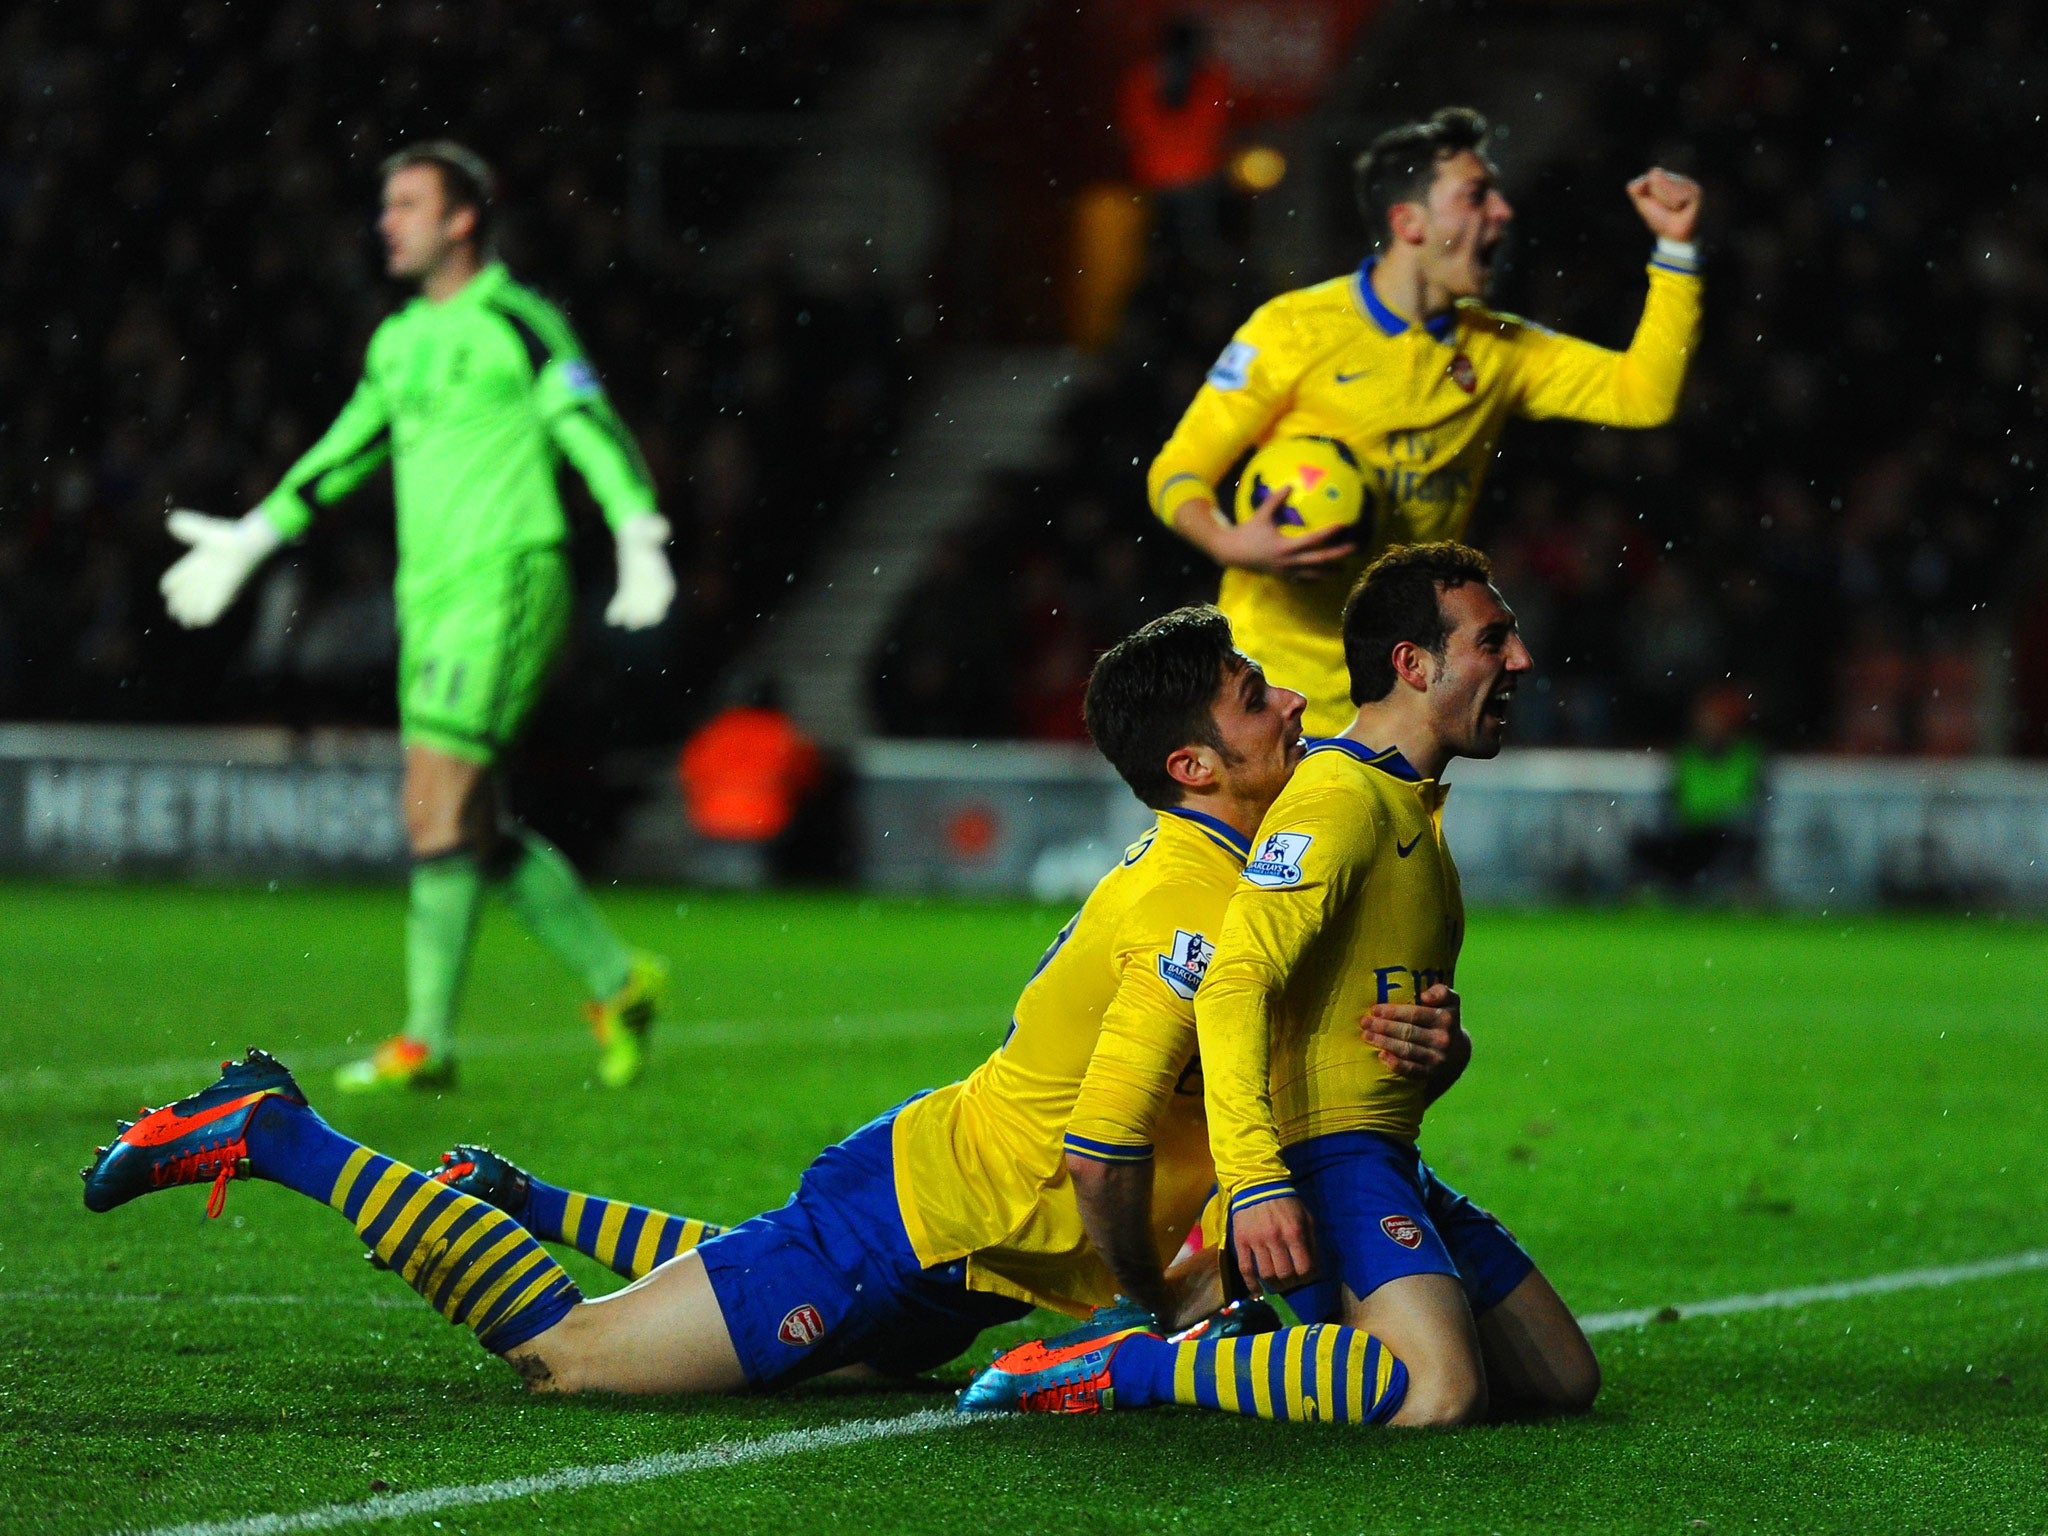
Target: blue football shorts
[
  {"x": 830, "y": 1279},
  {"x": 1380, "y": 1213}
]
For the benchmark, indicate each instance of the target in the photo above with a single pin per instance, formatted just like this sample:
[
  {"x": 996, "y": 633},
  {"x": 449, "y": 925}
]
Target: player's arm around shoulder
[{"x": 1145, "y": 1045}]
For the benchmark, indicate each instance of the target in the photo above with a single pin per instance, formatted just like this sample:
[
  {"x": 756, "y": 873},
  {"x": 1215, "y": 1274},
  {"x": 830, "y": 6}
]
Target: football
[{"x": 1325, "y": 487}]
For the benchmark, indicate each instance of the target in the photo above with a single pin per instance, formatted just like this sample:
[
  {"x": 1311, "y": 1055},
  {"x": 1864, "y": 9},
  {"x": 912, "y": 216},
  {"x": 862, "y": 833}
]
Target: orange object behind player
[{"x": 744, "y": 774}]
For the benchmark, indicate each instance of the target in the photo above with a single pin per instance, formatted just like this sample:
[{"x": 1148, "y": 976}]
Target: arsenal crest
[
  {"x": 1463, "y": 374},
  {"x": 1403, "y": 1230},
  {"x": 801, "y": 1327}
]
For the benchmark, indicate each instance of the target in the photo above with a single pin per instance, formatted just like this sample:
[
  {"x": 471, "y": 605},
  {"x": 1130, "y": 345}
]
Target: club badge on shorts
[
  {"x": 801, "y": 1327},
  {"x": 1404, "y": 1230}
]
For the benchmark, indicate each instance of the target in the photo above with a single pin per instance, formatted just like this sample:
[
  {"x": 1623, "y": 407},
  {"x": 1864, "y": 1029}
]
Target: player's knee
[
  {"x": 539, "y": 1373},
  {"x": 558, "y": 1362},
  {"x": 1577, "y": 1383},
  {"x": 1443, "y": 1396},
  {"x": 431, "y": 825}
]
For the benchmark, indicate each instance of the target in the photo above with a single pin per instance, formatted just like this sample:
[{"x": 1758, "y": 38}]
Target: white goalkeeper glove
[
  {"x": 224, "y": 553},
  {"x": 646, "y": 584}
]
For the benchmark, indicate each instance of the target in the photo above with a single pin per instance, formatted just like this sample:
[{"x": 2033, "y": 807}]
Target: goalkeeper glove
[
  {"x": 224, "y": 552},
  {"x": 646, "y": 584}
]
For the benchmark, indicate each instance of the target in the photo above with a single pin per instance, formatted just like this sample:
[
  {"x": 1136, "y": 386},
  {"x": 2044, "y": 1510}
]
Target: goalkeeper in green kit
[{"x": 472, "y": 391}]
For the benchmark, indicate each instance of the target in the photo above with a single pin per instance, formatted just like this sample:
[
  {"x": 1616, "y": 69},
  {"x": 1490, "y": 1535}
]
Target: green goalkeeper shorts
[{"x": 473, "y": 661}]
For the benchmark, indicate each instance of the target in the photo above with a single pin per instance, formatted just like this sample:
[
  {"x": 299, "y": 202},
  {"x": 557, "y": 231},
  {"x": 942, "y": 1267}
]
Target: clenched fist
[{"x": 1668, "y": 202}]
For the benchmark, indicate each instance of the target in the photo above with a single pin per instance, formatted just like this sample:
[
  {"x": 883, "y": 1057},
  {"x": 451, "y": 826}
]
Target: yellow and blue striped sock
[
  {"x": 1323, "y": 1372},
  {"x": 475, "y": 1264},
  {"x": 472, "y": 1261},
  {"x": 629, "y": 1240}
]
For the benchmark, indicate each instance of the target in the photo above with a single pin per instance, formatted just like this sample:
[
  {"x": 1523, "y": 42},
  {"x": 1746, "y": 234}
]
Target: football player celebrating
[
  {"x": 1403, "y": 363},
  {"x": 473, "y": 391},
  {"x": 1350, "y": 904},
  {"x": 957, "y": 1210}
]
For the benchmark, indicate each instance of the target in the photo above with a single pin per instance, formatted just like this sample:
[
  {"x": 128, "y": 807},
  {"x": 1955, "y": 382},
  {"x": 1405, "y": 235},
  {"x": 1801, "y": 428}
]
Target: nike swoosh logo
[
  {"x": 1402, "y": 850},
  {"x": 1352, "y": 378}
]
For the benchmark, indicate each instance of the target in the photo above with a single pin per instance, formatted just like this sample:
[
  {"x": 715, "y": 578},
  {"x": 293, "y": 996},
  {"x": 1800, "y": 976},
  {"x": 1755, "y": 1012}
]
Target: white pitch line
[
  {"x": 642, "y": 1469},
  {"x": 1840, "y": 1290},
  {"x": 731, "y": 1453}
]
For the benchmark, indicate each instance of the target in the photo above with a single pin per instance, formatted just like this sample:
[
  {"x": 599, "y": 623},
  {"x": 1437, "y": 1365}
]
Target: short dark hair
[
  {"x": 1154, "y": 692},
  {"x": 1400, "y": 165},
  {"x": 1399, "y": 598},
  {"x": 467, "y": 180}
]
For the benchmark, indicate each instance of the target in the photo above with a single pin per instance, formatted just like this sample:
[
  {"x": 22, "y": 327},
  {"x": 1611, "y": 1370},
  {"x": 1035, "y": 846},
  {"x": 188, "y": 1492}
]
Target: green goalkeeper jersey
[{"x": 472, "y": 399}]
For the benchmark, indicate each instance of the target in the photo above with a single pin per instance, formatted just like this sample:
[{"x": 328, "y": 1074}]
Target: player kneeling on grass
[
  {"x": 1432, "y": 1312},
  {"x": 958, "y": 1210}
]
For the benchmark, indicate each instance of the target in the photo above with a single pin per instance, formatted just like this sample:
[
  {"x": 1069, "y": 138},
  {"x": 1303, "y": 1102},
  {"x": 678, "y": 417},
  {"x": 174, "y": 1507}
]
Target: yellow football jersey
[
  {"x": 1421, "y": 406},
  {"x": 1350, "y": 899},
  {"x": 1099, "y": 1061}
]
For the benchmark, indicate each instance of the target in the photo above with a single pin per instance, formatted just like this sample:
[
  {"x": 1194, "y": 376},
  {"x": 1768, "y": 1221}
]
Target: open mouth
[{"x": 1495, "y": 710}]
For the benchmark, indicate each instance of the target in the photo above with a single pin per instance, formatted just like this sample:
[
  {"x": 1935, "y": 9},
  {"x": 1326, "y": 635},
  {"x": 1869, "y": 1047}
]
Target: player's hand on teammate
[
  {"x": 1275, "y": 1244},
  {"x": 646, "y": 583},
  {"x": 224, "y": 553},
  {"x": 1668, "y": 202},
  {"x": 1424, "y": 1041},
  {"x": 1257, "y": 544}
]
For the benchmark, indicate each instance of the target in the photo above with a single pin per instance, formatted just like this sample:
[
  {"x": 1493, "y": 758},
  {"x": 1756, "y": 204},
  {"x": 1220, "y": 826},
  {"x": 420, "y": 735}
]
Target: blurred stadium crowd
[
  {"x": 190, "y": 272},
  {"x": 1846, "y": 519},
  {"x": 1843, "y": 522}
]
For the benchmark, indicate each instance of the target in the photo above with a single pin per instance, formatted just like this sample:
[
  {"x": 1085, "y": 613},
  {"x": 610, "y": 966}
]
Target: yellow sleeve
[
  {"x": 1304, "y": 867},
  {"x": 1246, "y": 391},
  {"x": 1564, "y": 376},
  {"x": 1147, "y": 1038}
]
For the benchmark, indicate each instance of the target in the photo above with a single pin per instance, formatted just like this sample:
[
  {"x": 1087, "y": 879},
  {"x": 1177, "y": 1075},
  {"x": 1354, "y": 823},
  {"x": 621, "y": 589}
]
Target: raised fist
[{"x": 1668, "y": 202}]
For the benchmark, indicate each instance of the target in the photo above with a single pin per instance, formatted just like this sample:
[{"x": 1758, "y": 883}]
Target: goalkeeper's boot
[
  {"x": 1039, "y": 1378},
  {"x": 481, "y": 1172},
  {"x": 621, "y": 1022},
  {"x": 400, "y": 1062},
  {"x": 198, "y": 1140}
]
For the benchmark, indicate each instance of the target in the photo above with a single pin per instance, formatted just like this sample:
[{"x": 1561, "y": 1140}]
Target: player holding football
[
  {"x": 472, "y": 391},
  {"x": 1351, "y": 903},
  {"x": 1403, "y": 362},
  {"x": 955, "y": 1211}
]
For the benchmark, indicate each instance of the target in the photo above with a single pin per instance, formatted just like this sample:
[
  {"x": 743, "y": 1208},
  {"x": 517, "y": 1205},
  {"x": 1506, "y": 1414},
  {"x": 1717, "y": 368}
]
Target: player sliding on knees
[
  {"x": 1402, "y": 363},
  {"x": 958, "y": 1210},
  {"x": 473, "y": 391},
  {"x": 1350, "y": 905}
]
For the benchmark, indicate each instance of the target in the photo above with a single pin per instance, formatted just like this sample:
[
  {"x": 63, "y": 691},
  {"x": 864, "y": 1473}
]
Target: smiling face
[
  {"x": 1458, "y": 227},
  {"x": 420, "y": 230},
  {"x": 1483, "y": 662}
]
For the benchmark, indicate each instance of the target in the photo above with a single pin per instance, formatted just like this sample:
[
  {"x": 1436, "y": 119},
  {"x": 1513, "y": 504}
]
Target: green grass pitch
[{"x": 1666, "y": 1108}]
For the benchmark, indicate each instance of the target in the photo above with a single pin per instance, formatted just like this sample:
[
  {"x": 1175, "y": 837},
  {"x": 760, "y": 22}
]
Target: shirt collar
[
  {"x": 488, "y": 281},
  {"x": 1439, "y": 326},
  {"x": 490, "y": 277},
  {"x": 1387, "y": 759},
  {"x": 1218, "y": 831}
]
